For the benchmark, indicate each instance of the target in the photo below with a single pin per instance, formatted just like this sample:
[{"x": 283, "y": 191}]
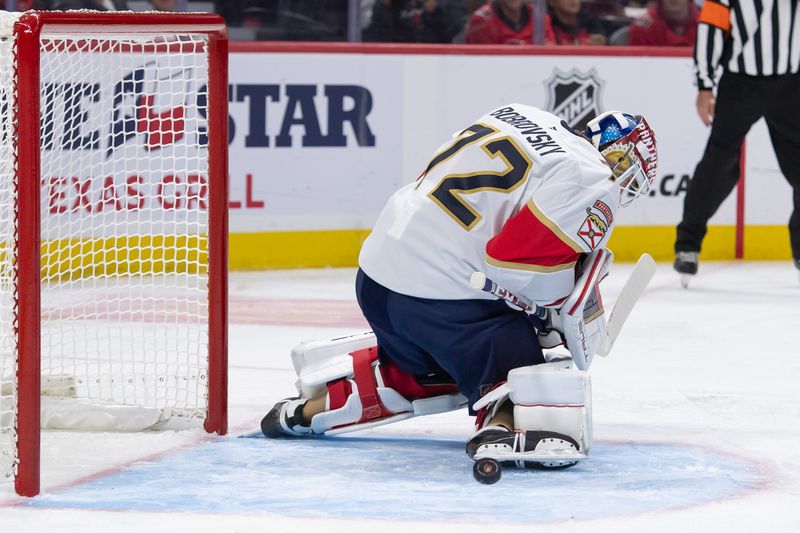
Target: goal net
[{"x": 112, "y": 226}]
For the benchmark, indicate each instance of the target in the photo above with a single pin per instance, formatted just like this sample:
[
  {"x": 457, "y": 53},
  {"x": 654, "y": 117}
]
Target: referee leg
[
  {"x": 740, "y": 102},
  {"x": 783, "y": 121}
]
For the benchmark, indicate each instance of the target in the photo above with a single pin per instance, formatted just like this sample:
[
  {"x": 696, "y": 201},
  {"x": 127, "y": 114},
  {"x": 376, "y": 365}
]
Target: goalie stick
[
  {"x": 478, "y": 280},
  {"x": 633, "y": 289}
]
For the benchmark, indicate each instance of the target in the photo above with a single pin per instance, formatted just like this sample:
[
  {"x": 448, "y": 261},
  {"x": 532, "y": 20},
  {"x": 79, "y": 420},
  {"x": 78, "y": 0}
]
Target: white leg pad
[
  {"x": 321, "y": 361},
  {"x": 308, "y": 354},
  {"x": 358, "y": 394},
  {"x": 550, "y": 397},
  {"x": 346, "y": 417}
]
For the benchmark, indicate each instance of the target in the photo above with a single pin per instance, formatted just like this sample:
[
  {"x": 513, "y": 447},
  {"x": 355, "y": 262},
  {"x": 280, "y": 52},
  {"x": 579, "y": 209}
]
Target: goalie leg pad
[
  {"x": 552, "y": 418},
  {"x": 552, "y": 398},
  {"x": 318, "y": 362},
  {"x": 361, "y": 393}
]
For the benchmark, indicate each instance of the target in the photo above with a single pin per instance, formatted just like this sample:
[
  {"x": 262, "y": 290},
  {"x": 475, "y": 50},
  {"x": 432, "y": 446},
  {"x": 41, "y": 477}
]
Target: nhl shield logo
[{"x": 574, "y": 96}]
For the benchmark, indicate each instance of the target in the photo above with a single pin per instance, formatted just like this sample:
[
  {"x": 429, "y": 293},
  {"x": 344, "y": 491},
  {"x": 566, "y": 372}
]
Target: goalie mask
[{"x": 628, "y": 144}]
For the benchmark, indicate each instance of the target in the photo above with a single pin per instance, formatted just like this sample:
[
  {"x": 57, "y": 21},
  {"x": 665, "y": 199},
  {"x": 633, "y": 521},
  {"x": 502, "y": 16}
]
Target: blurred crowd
[{"x": 565, "y": 22}]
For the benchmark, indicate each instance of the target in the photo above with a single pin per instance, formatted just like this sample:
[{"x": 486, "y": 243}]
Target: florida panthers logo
[
  {"x": 574, "y": 96},
  {"x": 595, "y": 225},
  {"x": 150, "y": 102}
]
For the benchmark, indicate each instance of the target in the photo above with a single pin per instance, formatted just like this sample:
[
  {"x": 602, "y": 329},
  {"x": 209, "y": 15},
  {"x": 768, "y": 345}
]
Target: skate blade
[
  {"x": 531, "y": 457},
  {"x": 685, "y": 280}
]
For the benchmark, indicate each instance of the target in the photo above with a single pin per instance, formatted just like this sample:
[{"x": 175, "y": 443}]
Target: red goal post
[{"x": 113, "y": 224}]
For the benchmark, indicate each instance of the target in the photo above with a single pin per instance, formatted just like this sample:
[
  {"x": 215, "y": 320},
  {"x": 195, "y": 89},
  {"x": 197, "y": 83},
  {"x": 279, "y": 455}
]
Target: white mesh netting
[
  {"x": 124, "y": 223},
  {"x": 124, "y": 217}
]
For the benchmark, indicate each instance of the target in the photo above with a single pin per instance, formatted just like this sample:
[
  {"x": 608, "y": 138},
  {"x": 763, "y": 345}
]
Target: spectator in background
[
  {"x": 164, "y": 5},
  {"x": 573, "y": 26},
  {"x": 230, "y": 10},
  {"x": 247, "y": 13},
  {"x": 606, "y": 8},
  {"x": 67, "y": 5},
  {"x": 505, "y": 22},
  {"x": 415, "y": 21},
  {"x": 666, "y": 23}
]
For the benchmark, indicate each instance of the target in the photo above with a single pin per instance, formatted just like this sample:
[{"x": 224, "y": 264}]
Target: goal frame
[{"x": 28, "y": 29}]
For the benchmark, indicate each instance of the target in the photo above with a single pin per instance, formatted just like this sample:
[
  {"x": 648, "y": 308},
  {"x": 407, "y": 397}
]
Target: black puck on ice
[{"x": 487, "y": 471}]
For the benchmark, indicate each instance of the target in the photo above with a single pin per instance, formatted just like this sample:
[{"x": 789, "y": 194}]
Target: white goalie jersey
[{"x": 516, "y": 195}]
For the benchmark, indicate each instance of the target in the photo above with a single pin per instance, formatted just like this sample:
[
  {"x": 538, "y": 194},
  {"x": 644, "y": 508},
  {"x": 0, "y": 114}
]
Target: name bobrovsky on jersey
[{"x": 535, "y": 134}]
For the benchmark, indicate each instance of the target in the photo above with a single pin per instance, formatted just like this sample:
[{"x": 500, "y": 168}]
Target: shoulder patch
[
  {"x": 595, "y": 226},
  {"x": 605, "y": 211}
]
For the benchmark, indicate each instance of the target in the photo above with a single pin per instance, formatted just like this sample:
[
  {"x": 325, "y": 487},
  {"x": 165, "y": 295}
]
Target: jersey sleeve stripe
[
  {"x": 715, "y": 15},
  {"x": 530, "y": 241},
  {"x": 553, "y": 227},
  {"x": 526, "y": 266}
]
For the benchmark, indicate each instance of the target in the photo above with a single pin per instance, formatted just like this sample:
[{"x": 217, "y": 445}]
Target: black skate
[
  {"x": 494, "y": 445},
  {"x": 495, "y": 437},
  {"x": 285, "y": 419},
  {"x": 686, "y": 265}
]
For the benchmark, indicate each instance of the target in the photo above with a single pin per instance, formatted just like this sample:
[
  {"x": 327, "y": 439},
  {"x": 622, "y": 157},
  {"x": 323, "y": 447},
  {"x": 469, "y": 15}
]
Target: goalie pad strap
[
  {"x": 364, "y": 376},
  {"x": 371, "y": 405},
  {"x": 338, "y": 391},
  {"x": 408, "y": 386},
  {"x": 488, "y": 405},
  {"x": 361, "y": 391}
]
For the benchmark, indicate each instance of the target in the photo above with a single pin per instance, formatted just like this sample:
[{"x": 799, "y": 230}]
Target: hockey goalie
[{"x": 529, "y": 204}]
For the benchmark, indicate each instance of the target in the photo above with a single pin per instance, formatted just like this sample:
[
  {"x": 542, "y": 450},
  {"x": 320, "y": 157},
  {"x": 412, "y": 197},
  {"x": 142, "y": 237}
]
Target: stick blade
[{"x": 633, "y": 289}]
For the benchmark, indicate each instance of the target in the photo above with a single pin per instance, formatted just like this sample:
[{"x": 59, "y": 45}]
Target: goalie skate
[
  {"x": 494, "y": 446},
  {"x": 285, "y": 419}
]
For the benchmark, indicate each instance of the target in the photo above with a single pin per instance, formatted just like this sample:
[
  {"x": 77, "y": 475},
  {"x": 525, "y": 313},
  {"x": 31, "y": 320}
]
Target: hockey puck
[{"x": 487, "y": 471}]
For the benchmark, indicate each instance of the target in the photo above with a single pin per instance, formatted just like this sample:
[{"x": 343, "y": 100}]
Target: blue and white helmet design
[{"x": 628, "y": 144}]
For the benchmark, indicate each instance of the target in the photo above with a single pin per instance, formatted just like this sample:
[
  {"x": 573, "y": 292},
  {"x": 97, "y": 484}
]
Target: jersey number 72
[{"x": 448, "y": 193}]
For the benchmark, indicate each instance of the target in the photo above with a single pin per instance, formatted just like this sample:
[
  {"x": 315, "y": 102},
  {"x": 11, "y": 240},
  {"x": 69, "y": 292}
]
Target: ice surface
[
  {"x": 429, "y": 479},
  {"x": 697, "y": 423}
]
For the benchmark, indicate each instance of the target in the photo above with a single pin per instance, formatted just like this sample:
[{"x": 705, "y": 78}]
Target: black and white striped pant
[{"x": 741, "y": 101}]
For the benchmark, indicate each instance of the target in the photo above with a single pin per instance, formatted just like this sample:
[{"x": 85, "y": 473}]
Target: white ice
[{"x": 711, "y": 373}]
